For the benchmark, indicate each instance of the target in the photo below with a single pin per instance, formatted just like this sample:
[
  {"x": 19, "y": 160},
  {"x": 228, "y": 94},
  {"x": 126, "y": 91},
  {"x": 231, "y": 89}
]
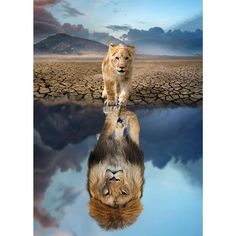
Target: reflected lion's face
[
  {"x": 115, "y": 189},
  {"x": 115, "y": 196},
  {"x": 121, "y": 58}
]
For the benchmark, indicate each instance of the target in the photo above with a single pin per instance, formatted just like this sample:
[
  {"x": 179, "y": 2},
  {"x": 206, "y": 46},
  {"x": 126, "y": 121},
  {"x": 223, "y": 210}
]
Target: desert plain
[{"x": 155, "y": 80}]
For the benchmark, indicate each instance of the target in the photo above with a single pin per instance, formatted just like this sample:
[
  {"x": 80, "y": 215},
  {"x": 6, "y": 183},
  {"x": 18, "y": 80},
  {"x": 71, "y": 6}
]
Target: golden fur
[
  {"x": 117, "y": 69},
  {"x": 116, "y": 172}
]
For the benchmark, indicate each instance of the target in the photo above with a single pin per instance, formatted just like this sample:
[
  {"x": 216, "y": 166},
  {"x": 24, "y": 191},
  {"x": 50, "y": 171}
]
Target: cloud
[
  {"x": 142, "y": 22},
  {"x": 45, "y": 3},
  {"x": 45, "y": 24},
  {"x": 75, "y": 30},
  {"x": 135, "y": 34},
  {"x": 191, "y": 24},
  {"x": 71, "y": 11},
  {"x": 192, "y": 170},
  {"x": 157, "y": 41},
  {"x": 119, "y": 27},
  {"x": 68, "y": 197},
  {"x": 44, "y": 218}
]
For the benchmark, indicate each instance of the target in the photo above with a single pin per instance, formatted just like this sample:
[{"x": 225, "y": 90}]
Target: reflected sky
[{"x": 171, "y": 139}]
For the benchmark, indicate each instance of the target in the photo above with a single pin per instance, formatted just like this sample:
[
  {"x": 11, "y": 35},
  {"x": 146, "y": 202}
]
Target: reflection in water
[
  {"x": 171, "y": 139},
  {"x": 116, "y": 171}
]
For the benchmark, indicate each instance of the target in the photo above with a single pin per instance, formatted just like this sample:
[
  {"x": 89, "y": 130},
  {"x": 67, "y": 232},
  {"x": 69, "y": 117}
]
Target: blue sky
[{"x": 97, "y": 14}]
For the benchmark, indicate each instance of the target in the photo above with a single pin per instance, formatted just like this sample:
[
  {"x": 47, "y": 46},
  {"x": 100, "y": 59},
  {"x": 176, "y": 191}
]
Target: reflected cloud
[
  {"x": 116, "y": 171},
  {"x": 192, "y": 171},
  {"x": 172, "y": 134},
  {"x": 63, "y": 124},
  {"x": 46, "y": 162},
  {"x": 69, "y": 195}
]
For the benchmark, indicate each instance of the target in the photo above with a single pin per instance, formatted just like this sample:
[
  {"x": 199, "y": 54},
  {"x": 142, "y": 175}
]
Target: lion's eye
[
  {"x": 105, "y": 192},
  {"x": 126, "y": 58},
  {"x": 124, "y": 192},
  {"x": 117, "y": 58}
]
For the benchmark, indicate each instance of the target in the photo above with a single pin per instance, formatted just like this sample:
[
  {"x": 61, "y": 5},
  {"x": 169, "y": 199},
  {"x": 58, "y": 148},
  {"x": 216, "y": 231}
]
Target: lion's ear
[
  {"x": 92, "y": 191},
  {"x": 131, "y": 48},
  {"x": 111, "y": 45}
]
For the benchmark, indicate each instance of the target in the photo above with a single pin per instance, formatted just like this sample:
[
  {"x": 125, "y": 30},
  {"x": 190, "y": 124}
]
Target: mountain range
[
  {"x": 154, "y": 41},
  {"x": 66, "y": 44}
]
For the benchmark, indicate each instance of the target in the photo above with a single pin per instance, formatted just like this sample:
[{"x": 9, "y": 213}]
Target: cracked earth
[{"x": 156, "y": 82}]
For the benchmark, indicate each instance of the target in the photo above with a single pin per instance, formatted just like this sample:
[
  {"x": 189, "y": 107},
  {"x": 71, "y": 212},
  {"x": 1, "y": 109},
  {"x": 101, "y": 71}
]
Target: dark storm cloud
[
  {"x": 71, "y": 11},
  {"x": 173, "y": 136},
  {"x": 119, "y": 27},
  {"x": 45, "y": 24},
  {"x": 157, "y": 41},
  {"x": 58, "y": 129},
  {"x": 135, "y": 34},
  {"x": 45, "y": 3},
  {"x": 174, "y": 133}
]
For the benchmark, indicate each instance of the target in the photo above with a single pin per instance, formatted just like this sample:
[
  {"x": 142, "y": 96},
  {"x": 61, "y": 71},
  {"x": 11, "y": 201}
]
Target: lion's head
[
  {"x": 115, "y": 193},
  {"x": 121, "y": 57},
  {"x": 116, "y": 176}
]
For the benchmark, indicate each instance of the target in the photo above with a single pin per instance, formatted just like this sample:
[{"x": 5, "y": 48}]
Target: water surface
[{"x": 171, "y": 139}]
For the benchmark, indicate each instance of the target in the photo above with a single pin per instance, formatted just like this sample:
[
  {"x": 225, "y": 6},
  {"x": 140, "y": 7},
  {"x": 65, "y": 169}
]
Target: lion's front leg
[
  {"x": 110, "y": 93},
  {"x": 124, "y": 93},
  {"x": 104, "y": 93}
]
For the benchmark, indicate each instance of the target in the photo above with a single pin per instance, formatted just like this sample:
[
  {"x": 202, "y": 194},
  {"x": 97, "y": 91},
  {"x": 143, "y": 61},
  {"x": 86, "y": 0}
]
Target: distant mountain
[{"x": 66, "y": 44}]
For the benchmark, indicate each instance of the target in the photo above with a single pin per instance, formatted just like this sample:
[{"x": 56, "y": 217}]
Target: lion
[
  {"x": 116, "y": 171},
  {"x": 117, "y": 69}
]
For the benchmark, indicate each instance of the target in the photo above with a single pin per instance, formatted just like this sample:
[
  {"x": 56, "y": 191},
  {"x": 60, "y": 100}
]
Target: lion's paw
[
  {"x": 109, "y": 102},
  {"x": 111, "y": 109},
  {"x": 122, "y": 102},
  {"x": 104, "y": 94}
]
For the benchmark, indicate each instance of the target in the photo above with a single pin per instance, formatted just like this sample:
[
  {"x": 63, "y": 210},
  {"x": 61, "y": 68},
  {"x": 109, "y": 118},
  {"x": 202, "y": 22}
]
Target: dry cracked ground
[{"x": 156, "y": 82}]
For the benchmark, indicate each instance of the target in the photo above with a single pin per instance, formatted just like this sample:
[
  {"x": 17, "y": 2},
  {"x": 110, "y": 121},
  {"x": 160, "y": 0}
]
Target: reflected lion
[{"x": 116, "y": 171}]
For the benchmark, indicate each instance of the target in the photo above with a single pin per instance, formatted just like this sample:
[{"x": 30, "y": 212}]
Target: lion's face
[
  {"x": 115, "y": 187},
  {"x": 121, "y": 57}
]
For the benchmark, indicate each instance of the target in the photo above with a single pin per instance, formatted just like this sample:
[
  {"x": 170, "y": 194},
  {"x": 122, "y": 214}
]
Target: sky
[{"x": 114, "y": 17}]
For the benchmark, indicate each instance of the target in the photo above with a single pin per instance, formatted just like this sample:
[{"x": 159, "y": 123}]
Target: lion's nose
[
  {"x": 114, "y": 179},
  {"x": 122, "y": 67}
]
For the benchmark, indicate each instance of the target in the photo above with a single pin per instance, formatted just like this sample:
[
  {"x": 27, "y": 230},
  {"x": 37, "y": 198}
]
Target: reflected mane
[{"x": 111, "y": 218}]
